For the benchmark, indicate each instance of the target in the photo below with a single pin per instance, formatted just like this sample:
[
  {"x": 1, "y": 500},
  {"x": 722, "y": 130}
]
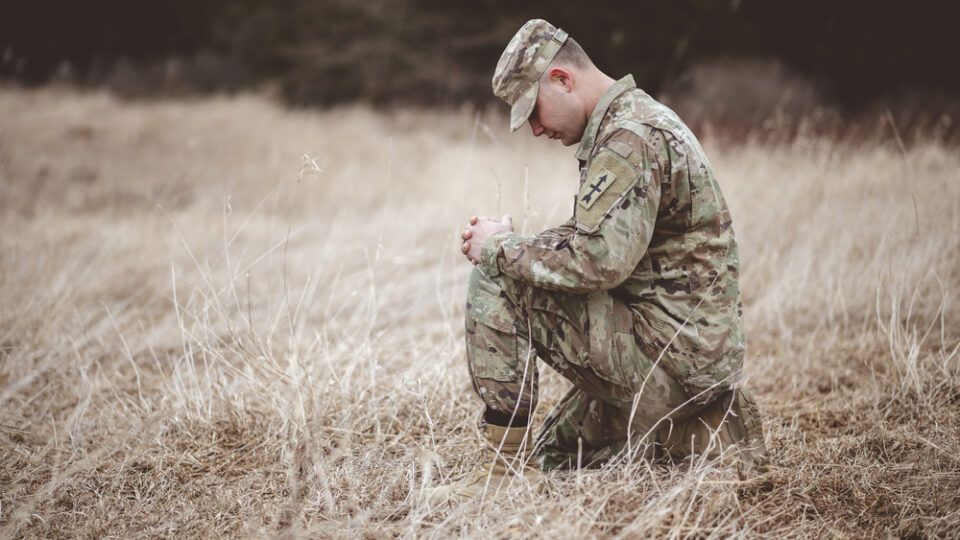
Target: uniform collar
[{"x": 593, "y": 124}]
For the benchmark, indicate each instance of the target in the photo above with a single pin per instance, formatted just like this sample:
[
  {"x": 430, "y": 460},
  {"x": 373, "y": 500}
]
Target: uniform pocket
[
  {"x": 631, "y": 362},
  {"x": 610, "y": 332},
  {"x": 490, "y": 333},
  {"x": 486, "y": 304},
  {"x": 492, "y": 353}
]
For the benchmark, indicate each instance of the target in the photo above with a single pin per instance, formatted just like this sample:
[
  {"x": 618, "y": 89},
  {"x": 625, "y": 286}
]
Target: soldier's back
[{"x": 685, "y": 292}]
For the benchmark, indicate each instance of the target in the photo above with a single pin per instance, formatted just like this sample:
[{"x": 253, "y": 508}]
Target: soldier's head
[{"x": 548, "y": 81}]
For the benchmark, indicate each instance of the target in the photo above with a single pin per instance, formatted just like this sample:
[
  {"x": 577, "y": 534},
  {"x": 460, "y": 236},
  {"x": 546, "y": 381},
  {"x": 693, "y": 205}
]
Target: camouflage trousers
[{"x": 620, "y": 397}]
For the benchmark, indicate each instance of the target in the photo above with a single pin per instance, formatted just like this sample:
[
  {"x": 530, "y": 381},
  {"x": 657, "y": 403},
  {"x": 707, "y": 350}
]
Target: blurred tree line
[{"x": 435, "y": 52}]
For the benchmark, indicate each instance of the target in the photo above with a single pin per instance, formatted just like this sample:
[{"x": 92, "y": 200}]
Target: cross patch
[
  {"x": 594, "y": 186},
  {"x": 605, "y": 182}
]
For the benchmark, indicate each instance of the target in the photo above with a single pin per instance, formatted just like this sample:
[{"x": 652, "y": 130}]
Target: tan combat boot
[
  {"x": 499, "y": 469},
  {"x": 735, "y": 419}
]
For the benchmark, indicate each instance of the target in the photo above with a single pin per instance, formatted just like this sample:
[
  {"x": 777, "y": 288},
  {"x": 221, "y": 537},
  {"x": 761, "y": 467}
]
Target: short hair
[{"x": 572, "y": 54}]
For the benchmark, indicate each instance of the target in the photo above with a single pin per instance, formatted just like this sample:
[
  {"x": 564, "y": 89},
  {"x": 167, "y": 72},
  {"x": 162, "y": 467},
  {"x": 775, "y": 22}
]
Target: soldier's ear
[{"x": 562, "y": 76}]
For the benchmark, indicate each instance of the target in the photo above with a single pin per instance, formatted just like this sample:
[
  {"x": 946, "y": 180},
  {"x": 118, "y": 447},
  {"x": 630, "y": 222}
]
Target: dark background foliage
[{"x": 322, "y": 52}]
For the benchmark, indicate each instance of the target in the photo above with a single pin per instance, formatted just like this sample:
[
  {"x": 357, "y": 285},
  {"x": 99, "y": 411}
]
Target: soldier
[{"x": 635, "y": 299}]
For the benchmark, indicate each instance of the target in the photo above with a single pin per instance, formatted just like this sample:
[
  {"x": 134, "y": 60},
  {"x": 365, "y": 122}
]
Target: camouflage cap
[{"x": 517, "y": 78}]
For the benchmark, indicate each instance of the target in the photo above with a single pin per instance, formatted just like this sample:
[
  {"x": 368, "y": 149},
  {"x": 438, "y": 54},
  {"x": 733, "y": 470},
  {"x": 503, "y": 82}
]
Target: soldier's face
[{"x": 558, "y": 113}]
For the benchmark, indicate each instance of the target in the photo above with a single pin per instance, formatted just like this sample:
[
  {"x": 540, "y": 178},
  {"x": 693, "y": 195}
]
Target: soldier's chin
[{"x": 571, "y": 142}]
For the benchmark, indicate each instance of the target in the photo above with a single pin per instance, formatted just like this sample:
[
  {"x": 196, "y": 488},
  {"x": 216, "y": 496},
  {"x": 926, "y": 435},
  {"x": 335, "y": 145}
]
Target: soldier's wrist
[{"x": 490, "y": 253}]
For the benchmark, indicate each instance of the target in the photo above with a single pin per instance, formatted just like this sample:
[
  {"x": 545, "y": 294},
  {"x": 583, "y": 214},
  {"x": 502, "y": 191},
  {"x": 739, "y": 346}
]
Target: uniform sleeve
[
  {"x": 560, "y": 232},
  {"x": 613, "y": 222}
]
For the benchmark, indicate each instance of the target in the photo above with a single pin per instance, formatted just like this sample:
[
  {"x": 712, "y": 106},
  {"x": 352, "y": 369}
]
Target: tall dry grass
[{"x": 225, "y": 318}]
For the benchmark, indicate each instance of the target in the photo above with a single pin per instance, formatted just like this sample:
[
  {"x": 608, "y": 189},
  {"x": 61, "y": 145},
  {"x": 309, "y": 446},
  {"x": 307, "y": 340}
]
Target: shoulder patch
[
  {"x": 608, "y": 178},
  {"x": 620, "y": 149},
  {"x": 595, "y": 185}
]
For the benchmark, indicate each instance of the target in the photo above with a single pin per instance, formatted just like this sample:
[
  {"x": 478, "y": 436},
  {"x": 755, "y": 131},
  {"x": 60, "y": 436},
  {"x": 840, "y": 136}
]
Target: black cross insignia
[{"x": 594, "y": 188}]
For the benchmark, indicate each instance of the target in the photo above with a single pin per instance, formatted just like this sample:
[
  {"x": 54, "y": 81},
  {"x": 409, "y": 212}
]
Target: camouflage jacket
[{"x": 651, "y": 227}]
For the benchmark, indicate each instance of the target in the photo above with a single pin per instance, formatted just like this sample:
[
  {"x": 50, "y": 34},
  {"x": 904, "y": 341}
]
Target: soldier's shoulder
[
  {"x": 626, "y": 118},
  {"x": 626, "y": 142},
  {"x": 629, "y": 137},
  {"x": 638, "y": 112},
  {"x": 639, "y": 120},
  {"x": 640, "y": 146}
]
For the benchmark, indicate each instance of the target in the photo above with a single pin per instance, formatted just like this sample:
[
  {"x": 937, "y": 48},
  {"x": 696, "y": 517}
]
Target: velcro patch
[
  {"x": 594, "y": 187},
  {"x": 608, "y": 178}
]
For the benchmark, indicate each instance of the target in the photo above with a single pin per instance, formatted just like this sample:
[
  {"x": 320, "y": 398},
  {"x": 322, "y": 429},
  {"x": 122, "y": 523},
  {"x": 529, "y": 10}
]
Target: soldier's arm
[
  {"x": 614, "y": 217},
  {"x": 559, "y": 232},
  {"x": 546, "y": 240}
]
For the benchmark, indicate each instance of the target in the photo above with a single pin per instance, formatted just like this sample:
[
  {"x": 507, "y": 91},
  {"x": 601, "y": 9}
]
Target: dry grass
[{"x": 224, "y": 318}]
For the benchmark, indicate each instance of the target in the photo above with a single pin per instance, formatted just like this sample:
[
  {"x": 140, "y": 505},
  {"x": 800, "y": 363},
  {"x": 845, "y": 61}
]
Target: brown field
[{"x": 224, "y": 318}]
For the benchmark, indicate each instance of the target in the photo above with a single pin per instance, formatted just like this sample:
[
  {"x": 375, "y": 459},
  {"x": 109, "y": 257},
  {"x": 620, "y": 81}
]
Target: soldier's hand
[{"x": 477, "y": 232}]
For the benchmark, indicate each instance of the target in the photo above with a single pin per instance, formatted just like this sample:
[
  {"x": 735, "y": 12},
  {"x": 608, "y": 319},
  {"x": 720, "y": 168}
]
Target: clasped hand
[{"x": 478, "y": 231}]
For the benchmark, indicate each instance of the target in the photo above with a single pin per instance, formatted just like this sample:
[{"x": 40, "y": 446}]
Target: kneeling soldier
[{"x": 635, "y": 299}]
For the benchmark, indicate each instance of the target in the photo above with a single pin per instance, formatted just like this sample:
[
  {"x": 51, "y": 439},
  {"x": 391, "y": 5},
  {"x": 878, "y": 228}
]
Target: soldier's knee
[
  {"x": 488, "y": 304},
  {"x": 475, "y": 277},
  {"x": 503, "y": 288},
  {"x": 481, "y": 289}
]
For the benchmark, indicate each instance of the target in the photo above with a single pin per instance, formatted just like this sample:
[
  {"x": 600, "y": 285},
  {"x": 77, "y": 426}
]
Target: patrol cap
[{"x": 517, "y": 77}]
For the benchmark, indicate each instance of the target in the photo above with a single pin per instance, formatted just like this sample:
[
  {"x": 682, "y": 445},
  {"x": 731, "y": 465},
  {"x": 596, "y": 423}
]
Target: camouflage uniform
[{"x": 635, "y": 299}]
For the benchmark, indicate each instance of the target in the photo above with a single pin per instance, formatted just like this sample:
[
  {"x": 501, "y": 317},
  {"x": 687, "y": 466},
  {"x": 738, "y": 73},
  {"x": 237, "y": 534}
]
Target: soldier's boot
[
  {"x": 500, "y": 469},
  {"x": 735, "y": 419}
]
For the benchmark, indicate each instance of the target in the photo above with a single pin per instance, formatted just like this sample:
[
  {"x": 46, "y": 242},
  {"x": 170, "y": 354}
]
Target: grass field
[{"x": 221, "y": 317}]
